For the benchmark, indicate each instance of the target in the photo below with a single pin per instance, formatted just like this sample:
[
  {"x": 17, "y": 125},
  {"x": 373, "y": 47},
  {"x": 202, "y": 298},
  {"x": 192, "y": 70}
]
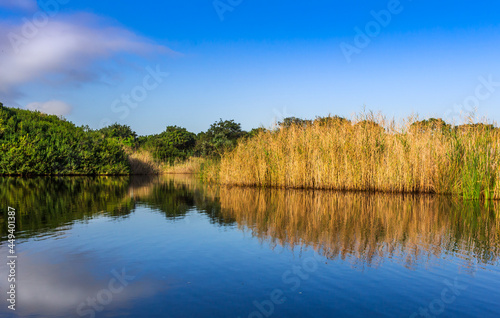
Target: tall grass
[
  {"x": 142, "y": 162},
  {"x": 369, "y": 153},
  {"x": 210, "y": 170},
  {"x": 192, "y": 165}
]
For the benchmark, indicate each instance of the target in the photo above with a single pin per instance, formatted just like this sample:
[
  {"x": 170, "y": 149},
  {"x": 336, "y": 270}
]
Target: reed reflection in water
[{"x": 367, "y": 228}]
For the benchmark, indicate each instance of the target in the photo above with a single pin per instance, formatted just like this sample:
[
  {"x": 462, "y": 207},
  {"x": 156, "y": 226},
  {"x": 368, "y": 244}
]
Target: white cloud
[
  {"x": 27, "y": 5},
  {"x": 69, "y": 48},
  {"x": 52, "y": 107}
]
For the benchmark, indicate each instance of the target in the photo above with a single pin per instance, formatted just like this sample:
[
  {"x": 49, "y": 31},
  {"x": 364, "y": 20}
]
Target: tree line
[{"x": 34, "y": 143}]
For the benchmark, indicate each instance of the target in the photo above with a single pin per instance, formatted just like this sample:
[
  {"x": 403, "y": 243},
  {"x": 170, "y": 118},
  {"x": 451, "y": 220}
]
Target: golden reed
[{"x": 368, "y": 153}]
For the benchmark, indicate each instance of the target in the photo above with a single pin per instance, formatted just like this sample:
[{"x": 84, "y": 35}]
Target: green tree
[
  {"x": 175, "y": 143},
  {"x": 221, "y": 136},
  {"x": 256, "y": 131},
  {"x": 121, "y": 132},
  {"x": 289, "y": 121},
  {"x": 331, "y": 121},
  {"x": 431, "y": 124}
]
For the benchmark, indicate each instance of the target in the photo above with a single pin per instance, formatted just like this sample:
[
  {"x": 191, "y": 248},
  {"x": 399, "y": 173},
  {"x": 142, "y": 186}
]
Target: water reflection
[
  {"x": 176, "y": 195},
  {"x": 364, "y": 228},
  {"x": 45, "y": 203}
]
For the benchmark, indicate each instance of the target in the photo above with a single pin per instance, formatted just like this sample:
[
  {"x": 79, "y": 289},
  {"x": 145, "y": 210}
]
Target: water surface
[{"x": 172, "y": 247}]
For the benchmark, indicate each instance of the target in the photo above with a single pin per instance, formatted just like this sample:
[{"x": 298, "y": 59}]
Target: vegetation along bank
[{"x": 367, "y": 153}]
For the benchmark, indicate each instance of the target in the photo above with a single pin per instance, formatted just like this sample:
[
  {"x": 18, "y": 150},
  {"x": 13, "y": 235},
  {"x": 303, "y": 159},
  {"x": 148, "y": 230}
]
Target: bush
[
  {"x": 123, "y": 133},
  {"x": 175, "y": 143},
  {"x": 220, "y": 137},
  {"x": 35, "y": 143}
]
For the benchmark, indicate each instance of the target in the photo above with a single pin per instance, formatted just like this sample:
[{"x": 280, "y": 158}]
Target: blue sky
[{"x": 265, "y": 60}]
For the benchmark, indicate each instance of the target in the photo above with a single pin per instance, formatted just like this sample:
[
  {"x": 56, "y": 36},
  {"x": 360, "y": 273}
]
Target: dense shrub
[
  {"x": 123, "y": 133},
  {"x": 175, "y": 143},
  {"x": 36, "y": 143}
]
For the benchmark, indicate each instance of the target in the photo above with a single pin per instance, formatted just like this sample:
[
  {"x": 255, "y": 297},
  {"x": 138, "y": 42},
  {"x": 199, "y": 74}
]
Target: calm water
[{"x": 171, "y": 247}]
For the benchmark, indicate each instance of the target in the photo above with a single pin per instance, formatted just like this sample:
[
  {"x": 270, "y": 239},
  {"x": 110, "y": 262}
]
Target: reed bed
[
  {"x": 369, "y": 153},
  {"x": 191, "y": 165},
  {"x": 143, "y": 163}
]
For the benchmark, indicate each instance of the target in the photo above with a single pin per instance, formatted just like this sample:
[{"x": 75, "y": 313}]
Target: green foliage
[
  {"x": 431, "y": 124},
  {"x": 123, "y": 133},
  {"x": 175, "y": 143},
  {"x": 35, "y": 143},
  {"x": 478, "y": 126},
  {"x": 256, "y": 131},
  {"x": 369, "y": 125},
  {"x": 289, "y": 121},
  {"x": 331, "y": 120},
  {"x": 220, "y": 137}
]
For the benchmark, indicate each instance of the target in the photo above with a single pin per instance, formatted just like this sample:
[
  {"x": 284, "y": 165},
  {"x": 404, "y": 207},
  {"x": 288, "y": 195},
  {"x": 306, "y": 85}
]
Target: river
[{"x": 171, "y": 246}]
